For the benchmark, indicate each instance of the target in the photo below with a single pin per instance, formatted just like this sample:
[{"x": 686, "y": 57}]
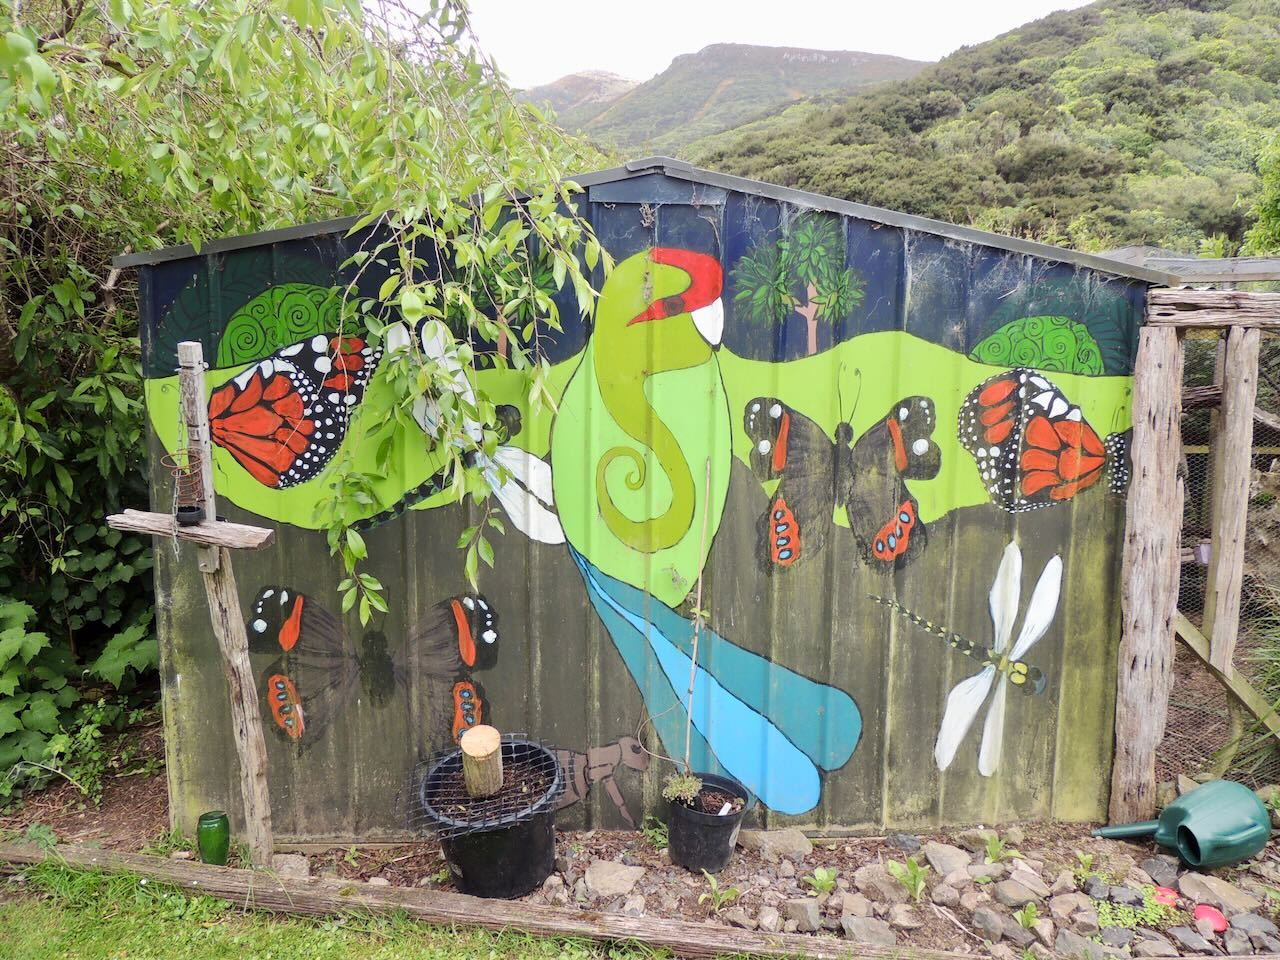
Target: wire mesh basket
[{"x": 532, "y": 783}]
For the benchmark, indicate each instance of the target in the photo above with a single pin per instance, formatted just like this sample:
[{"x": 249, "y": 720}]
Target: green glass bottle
[{"x": 213, "y": 837}]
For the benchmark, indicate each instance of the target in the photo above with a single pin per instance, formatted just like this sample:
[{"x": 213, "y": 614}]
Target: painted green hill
[
  {"x": 1124, "y": 122},
  {"x": 718, "y": 87}
]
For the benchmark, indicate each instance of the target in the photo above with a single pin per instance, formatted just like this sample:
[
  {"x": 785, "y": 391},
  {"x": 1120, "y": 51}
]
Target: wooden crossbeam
[
  {"x": 1212, "y": 308},
  {"x": 318, "y": 897},
  {"x": 1217, "y": 270},
  {"x": 1194, "y": 398},
  {"x": 206, "y": 533}
]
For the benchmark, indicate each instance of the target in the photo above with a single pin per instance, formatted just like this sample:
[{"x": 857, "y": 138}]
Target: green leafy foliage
[
  {"x": 1152, "y": 913},
  {"x": 682, "y": 788},
  {"x": 822, "y": 880},
  {"x": 1124, "y": 122},
  {"x": 1027, "y": 916},
  {"x": 130, "y": 126},
  {"x": 715, "y": 896},
  {"x": 911, "y": 875},
  {"x": 656, "y": 833},
  {"x": 998, "y": 850}
]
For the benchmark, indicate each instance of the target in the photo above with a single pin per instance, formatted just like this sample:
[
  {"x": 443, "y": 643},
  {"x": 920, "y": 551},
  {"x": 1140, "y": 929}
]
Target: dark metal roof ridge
[{"x": 682, "y": 170}]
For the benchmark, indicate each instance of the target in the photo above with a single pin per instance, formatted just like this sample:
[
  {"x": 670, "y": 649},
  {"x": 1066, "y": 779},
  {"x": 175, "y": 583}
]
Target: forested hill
[
  {"x": 1124, "y": 122},
  {"x": 719, "y": 87}
]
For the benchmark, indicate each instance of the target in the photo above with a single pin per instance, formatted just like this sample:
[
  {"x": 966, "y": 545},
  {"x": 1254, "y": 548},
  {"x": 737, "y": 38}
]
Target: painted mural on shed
[{"x": 905, "y": 451}]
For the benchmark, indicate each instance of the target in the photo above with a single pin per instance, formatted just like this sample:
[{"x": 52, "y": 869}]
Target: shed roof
[{"x": 680, "y": 170}]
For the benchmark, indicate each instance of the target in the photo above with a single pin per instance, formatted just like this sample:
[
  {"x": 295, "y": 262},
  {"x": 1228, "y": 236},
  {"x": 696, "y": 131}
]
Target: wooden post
[
  {"x": 1231, "y": 494},
  {"x": 1149, "y": 596},
  {"x": 195, "y": 415},
  {"x": 482, "y": 761}
]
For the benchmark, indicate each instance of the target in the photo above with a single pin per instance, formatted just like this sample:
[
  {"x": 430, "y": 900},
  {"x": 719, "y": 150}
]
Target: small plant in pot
[{"x": 704, "y": 810}]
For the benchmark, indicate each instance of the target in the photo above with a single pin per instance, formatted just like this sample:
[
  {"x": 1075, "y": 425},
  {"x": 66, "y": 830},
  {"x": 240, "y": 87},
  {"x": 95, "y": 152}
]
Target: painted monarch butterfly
[
  {"x": 284, "y": 418},
  {"x": 1033, "y": 446}
]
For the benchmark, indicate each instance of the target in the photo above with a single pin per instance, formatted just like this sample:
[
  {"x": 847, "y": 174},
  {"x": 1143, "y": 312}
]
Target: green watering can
[{"x": 1216, "y": 824}]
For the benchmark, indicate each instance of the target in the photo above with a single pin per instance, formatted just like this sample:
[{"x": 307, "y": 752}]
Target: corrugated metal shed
[{"x": 905, "y": 442}]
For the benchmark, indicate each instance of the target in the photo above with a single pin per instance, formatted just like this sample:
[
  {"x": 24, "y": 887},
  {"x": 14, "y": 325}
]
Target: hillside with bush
[{"x": 1124, "y": 122}]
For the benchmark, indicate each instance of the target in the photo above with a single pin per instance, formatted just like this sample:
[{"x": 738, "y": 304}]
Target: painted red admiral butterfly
[
  {"x": 284, "y": 418},
  {"x": 866, "y": 477},
  {"x": 1033, "y": 446},
  {"x": 457, "y": 636}
]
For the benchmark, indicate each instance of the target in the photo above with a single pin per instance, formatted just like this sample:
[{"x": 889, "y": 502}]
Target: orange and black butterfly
[
  {"x": 455, "y": 638},
  {"x": 284, "y": 418},
  {"x": 1033, "y": 446},
  {"x": 865, "y": 477}
]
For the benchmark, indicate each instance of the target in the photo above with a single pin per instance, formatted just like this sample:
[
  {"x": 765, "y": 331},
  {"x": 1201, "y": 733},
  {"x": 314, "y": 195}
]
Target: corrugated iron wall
[{"x": 912, "y": 443}]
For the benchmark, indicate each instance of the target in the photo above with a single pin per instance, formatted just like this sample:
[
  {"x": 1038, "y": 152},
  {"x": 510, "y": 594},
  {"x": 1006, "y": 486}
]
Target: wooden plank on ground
[
  {"x": 1236, "y": 685},
  {"x": 1212, "y": 308},
  {"x": 1233, "y": 456},
  {"x": 1149, "y": 593},
  {"x": 206, "y": 533},
  {"x": 323, "y": 897}
]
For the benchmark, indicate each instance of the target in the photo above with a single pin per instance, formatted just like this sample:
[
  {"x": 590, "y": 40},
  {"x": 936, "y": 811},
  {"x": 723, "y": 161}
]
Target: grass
[{"x": 93, "y": 916}]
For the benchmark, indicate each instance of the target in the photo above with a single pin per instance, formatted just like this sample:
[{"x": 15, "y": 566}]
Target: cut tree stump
[{"x": 482, "y": 761}]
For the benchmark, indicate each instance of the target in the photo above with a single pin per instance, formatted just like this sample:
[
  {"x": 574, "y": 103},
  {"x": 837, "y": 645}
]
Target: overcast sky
[{"x": 536, "y": 41}]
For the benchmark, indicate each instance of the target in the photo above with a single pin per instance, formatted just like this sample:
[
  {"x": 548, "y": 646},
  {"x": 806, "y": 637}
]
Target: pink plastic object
[
  {"x": 1205, "y": 912},
  {"x": 1166, "y": 897}
]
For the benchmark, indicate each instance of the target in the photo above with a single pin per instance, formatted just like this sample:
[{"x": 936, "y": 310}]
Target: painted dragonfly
[{"x": 1001, "y": 666}]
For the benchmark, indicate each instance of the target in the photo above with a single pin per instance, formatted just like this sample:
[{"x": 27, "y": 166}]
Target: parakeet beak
[{"x": 709, "y": 321}]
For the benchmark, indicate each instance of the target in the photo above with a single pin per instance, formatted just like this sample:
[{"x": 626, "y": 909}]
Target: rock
[
  {"x": 804, "y": 911},
  {"x": 1125, "y": 895},
  {"x": 1189, "y": 939},
  {"x": 945, "y": 896},
  {"x": 1204, "y": 927},
  {"x": 1071, "y": 944},
  {"x": 773, "y": 845},
  {"x": 769, "y": 920},
  {"x": 1162, "y": 870},
  {"x": 1251, "y": 923},
  {"x": 1096, "y": 887},
  {"x": 292, "y": 866},
  {"x": 1041, "y": 952},
  {"x": 1045, "y": 931},
  {"x": 868, "y": 930},
  {"x": 1017, "y": 934},
  {"x": 605, "y": 879},
  {"x": 958, "y": 878},
  {"x": 903, "y": 841},
  {"x": 790, "y": 926},
  {"x": 629, "y": 859},
  {"x": 975, "y": 839},
  {"x": 1013, "y": 894},
  {"x": 1166, "y": 793},
  {"x": 1185, "y": 784},
  {"x": 181, "y": 855},
  {"x": 634, "y": 905},
  {"x": 855, "y": 905},
  {"x": 971, "y": 899},
  {"x": 737, "y": 917},
  {"x": 945, "y": 858},
  {"x": 1116, "y": 936},
  {"x": 1217, "y": 892},
  {"x": 1085, "y": 922},
  {"x": 904, "y": 917},
  {"x": 1140, "y": 878},
  {"x": 874, "y": 882},
  {"x": 1014, "y": 836},
  {"x": 1064, "y": 882},
  {"x": 990, "y": 923},
  {"x": 1269, "y": 794},
  {"x": 1002, "y": 951},
  {"x": 1030, "y": 880},
  {"x": 1154, "y": 948},
  {"x": 991, "y": 871},
  {"x": 786, "y": 869},
  {"x": 1237, "y": 942},
  {"x": 1267, "y": 944},
  {"x": 580, "y": 889},
  {"x": 1065, "y": 904},
  {"x": 378, "y": 882}
]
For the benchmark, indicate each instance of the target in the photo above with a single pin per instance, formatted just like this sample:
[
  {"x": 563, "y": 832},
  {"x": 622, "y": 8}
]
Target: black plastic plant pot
[
  {"x": 501, "y": 847},
  {"x": 701, "y": 841},
  {"x": 189, "y": 515}
]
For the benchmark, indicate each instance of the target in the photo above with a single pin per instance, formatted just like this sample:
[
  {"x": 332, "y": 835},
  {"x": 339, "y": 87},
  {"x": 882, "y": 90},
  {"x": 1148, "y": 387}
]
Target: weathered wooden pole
[
  {"x": 1149, "y": 594},
  {"x": 1231, "y": 494},
  {"x": 482, "y": 761}
]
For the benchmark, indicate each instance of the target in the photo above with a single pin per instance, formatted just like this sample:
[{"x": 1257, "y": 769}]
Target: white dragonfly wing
[
  {"x": 993, "y": 731},
  {"x": 1005, "y": 593},
  {"x": 963, "y": 703},
  {"x": 529, "y": 509},
  {"x": 435, "y": 340},
  {"x": 1041, "y": 609}
]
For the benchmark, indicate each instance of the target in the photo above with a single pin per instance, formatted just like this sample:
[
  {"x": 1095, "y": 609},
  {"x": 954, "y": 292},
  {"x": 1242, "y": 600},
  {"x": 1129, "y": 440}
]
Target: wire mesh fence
[{"x": 1208, "y": 734}]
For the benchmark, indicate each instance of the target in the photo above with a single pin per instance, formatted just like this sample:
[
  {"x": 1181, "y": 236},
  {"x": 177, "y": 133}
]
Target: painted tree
[{"x": 804, "y": 273}]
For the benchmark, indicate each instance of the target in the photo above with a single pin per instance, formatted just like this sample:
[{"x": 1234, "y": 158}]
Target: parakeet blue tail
[{"x": 765, "y": 725}]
